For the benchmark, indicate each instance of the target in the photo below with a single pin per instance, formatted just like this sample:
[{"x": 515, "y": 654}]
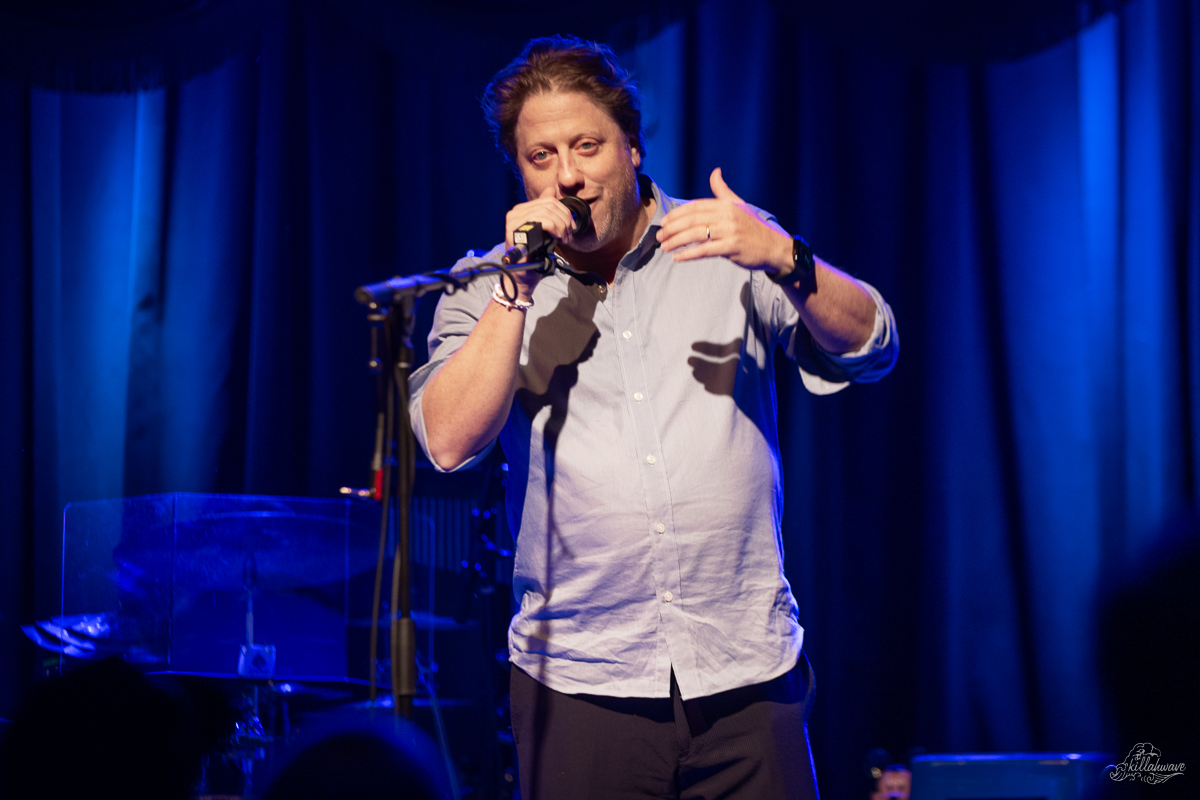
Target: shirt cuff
[{"x": 825, "y": 373}]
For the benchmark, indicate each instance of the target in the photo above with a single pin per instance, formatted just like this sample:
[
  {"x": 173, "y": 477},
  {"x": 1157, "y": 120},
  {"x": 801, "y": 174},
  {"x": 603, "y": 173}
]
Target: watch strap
[{"x": 802, "y": 264}]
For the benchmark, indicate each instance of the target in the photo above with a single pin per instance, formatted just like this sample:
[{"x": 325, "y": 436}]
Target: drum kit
[
  {"x": 269, "y": 593},
  {"x": 269, "y": 597}
]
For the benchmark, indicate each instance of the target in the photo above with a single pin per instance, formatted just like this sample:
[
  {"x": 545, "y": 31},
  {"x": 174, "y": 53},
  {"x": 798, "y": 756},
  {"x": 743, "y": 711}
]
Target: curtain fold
[{"x": 16, "y": 391}]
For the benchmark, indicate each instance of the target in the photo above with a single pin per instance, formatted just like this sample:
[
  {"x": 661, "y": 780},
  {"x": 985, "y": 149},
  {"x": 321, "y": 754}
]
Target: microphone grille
[{"x": 580, "y": 212}]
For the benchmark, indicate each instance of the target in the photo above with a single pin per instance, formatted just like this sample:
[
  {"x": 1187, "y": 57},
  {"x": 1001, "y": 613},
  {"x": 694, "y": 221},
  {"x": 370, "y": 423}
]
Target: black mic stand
[{"x": 390, "y": 307}]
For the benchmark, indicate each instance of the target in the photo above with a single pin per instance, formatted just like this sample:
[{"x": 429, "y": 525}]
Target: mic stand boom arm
[{"x": 390, "y": 292}]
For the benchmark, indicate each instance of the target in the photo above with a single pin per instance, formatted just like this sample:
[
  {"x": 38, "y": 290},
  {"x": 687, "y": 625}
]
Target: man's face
[
  {"x": 895, "y": 784},
  {"x": 566, "y": 141}
]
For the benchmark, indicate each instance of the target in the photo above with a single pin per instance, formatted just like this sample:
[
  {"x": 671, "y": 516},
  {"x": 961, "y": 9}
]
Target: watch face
[{"x": 802, "y": 257}]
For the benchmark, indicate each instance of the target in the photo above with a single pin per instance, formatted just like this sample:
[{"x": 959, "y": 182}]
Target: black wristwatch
[{"x": 802, "y": 264}]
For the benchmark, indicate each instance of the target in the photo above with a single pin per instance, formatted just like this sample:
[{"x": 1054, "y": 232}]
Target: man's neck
[{"x": 604, "y": 261}]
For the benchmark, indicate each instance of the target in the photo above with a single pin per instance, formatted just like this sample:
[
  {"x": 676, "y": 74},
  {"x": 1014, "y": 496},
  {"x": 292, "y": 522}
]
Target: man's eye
[
  {"x": 588, "y": 147},
  {"x": 541, "y": 155}
]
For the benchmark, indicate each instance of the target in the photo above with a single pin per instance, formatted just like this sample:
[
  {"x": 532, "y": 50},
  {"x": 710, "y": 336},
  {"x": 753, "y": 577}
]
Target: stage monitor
[{"x": 1008, "y": 776}]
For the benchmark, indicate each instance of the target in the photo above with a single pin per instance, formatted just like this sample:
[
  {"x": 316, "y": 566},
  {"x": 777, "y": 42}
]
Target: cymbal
[
  {"x": 422, "y": 619},
  {"x": 87, "y": 636},
  {"x": 266, "y": 550}
]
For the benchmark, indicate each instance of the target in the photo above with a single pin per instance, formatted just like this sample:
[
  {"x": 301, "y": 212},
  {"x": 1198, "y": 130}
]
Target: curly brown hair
[{"x": 562, "y": 64}]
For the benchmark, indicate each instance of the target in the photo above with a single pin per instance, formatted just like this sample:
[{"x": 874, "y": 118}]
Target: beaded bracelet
[{"x": 499, "y": 297}]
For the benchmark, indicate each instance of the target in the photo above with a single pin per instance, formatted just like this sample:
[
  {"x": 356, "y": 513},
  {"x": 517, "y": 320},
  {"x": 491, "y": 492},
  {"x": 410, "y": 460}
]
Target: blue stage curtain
[{"x": 176, "y": 270}]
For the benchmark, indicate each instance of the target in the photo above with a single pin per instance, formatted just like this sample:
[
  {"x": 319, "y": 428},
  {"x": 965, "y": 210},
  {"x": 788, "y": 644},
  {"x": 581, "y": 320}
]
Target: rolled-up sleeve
[
  {"x": 825, "y": 373},
  {"x": 453, "y": 322}
]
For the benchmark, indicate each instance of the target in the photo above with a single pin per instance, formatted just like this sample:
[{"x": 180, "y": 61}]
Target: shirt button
[
  {"x": 637, "y": 396},
  {"x": 668, "y": 596},
  {"x": 627, "y": 334},
  {"x": 650, "y": 460},
  {"x": 660, "y": 528}
]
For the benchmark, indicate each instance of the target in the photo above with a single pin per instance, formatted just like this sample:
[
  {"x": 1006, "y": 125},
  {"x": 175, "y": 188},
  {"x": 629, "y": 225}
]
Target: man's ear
[{"x": 635, "y": 154}]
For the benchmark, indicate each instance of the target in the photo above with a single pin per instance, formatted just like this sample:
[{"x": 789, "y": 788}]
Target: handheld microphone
[{"x": 530, "y": 241}]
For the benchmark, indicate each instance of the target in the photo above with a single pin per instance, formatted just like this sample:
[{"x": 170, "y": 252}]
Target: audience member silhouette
[
  {"x": 377, "y": 758},
  {"x": 105, "y": 730}
]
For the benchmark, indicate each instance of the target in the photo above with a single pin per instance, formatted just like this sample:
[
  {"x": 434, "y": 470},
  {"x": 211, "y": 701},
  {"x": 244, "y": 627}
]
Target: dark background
[{"x": 190, "y": 192}]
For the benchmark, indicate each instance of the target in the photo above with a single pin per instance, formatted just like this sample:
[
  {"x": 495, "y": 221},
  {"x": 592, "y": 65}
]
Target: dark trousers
[{"x": 745, "y": 743}]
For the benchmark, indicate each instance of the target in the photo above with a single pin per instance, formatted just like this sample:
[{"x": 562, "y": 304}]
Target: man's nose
[{"x": 569, "y": 176}]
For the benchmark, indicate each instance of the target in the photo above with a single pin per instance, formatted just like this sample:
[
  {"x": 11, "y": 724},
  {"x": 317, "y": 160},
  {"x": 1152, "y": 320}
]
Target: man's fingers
[
  {"x": 693, "y": 234},
  {"x": 554, "y": 217},
  {"x": 723, "y": 226},
  {"x": 701, "y": 250},
  {"x": 697, "y": 213},
  {"x": 720, "y": 189}
]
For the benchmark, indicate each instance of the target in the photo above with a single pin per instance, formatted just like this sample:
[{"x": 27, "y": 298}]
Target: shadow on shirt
[
  {"x": 562, "y": 340},
  {"x": 719, "y": 376},
  {"x": 716, "y": 366}
]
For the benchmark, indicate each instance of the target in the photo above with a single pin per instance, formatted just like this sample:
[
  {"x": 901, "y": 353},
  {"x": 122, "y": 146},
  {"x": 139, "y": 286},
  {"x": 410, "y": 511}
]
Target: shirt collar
[{"x": 645, "y": 248}]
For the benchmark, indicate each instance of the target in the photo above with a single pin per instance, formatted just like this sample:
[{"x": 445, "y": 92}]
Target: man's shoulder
[{"x": 474, "y": 258}]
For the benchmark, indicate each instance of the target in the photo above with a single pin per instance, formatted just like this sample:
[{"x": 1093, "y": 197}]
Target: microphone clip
[{"x": 531, "y": 243}]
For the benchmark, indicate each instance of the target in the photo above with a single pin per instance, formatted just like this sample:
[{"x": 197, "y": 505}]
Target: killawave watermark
[{"x": 1143, "y": 764}]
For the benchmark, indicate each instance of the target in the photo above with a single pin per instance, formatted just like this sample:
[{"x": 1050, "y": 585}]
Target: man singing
[{"x": 656, "y": 651}]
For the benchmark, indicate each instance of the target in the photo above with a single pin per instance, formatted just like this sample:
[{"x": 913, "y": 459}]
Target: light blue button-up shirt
[{"x": 644, "y": 474}]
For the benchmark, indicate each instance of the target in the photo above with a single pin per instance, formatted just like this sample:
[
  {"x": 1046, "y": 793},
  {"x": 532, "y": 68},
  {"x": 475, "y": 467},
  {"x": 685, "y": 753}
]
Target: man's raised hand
[{"x": 724, "y": 226}]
